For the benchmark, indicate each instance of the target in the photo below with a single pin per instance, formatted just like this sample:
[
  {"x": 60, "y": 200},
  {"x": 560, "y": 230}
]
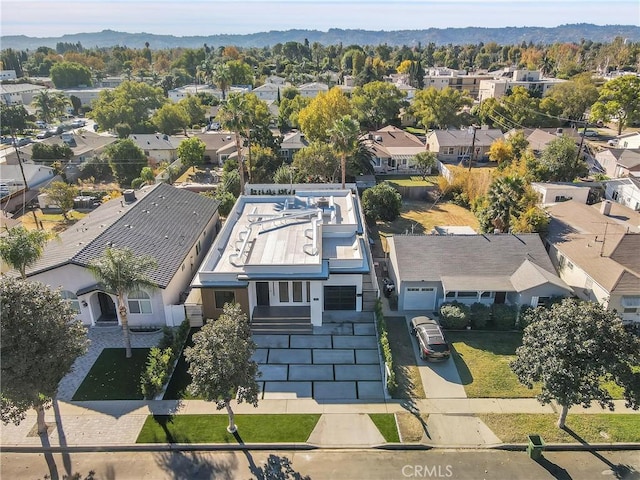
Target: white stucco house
[
  {"x": 172, "y": 225},
  {"x": 625, "y": 191},
  {"x": 553, "y": 192},
  {"x": 290, "y": 255}
]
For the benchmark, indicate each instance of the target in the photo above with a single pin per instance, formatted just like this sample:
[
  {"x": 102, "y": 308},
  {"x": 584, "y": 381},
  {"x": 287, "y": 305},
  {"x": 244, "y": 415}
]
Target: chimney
[{"x": 605, "y": 208}]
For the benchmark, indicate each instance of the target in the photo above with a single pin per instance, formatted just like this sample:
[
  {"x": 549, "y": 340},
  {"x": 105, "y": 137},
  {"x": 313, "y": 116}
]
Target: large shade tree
[
  {"x": 40, "y": 338},
  {"x": 121, "y": 272},
  {"x": 440, "y": 108},
  {"x": 21, "y": 248},
  {"x": 317, "y": 118},
  {"x": 572, "y": 349},
  {"x": 377, "y": 103},
  {"x": 221, "y": 364},
  {"x": 126, "y": 160},
  {"x": 382, "y": 202},
  {"x": 620, "y": 100}
]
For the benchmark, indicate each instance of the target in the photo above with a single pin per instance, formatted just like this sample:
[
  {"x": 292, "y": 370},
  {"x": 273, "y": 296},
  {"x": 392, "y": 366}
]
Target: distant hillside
[{"x": 440, "y": 36}]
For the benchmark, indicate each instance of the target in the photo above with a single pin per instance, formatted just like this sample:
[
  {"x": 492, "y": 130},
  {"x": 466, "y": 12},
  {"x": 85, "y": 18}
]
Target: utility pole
[
  {"x": 584, "y": 133},
  {"x": 473, "y": 145},
  {"x": 24, "y": 180}
]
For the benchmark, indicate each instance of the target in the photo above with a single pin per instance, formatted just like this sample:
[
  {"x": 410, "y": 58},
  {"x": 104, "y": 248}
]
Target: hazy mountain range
[{"x": 440, "y": 36}]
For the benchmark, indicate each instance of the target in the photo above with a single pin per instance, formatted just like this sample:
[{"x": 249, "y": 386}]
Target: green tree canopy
[
  {"x": 377, "y": 103},
  {"x": 221, "y": 364},
  {"x": 620, "y": 100},
  {"x": 62, "y": 194},
  {"x": 129, "y": 103},
  {"x": 191, "y": 152},
  {"x": 572, "y": 99},
  {"x": 571, "y": 349},
  {"x": 49, "y": 105},
  {"x": 20, "y": 248},
  {"x": 425, "y": 161},
  {"x": 13, "y": 118},
  {"x": 440, "y": 108},
  {"x": 44, "y": 151},
  {"x": 560, "y": 161},
  {"x": 382, "y": 202},
  {"x": 40, "y": 340},
  {"x": 317, "y": 162},
  {"x": 126, "y": 160},
  {"x": 122, "y": 272},
  {"x": 70, "y": 74},
  {"x": 318, "y": 117},
  {"x": 170, "y": 119}
]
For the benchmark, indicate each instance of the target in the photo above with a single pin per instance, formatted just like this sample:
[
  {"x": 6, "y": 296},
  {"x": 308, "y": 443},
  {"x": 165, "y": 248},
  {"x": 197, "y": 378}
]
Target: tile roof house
[
  {"x": 595, "y": 249},
  {"x": 172, "y": 225},
  {"x": 393, "y": 150},
  {"x": 281, "y": 255},
  {"x": 452, "y": 146},
  {"x": 429, "y": 270}
]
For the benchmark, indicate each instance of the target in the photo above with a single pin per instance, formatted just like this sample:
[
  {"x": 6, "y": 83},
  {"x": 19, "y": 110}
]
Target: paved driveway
[{"x": 340, "y": 361}]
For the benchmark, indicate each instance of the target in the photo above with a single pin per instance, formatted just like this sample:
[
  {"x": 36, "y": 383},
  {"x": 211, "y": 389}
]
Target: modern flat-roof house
[
  {"x": 429, "y": 270},
  {"x": 554, "y": 192},
  {"x": 625, "y": 191},
  {"x": 172, "y": 225},
  {"x": 302, "y": 254},
  {"x": 596, "y": 251}
]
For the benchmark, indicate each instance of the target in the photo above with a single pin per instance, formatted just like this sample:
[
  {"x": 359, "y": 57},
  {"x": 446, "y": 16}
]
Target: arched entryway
[{"x": 107, "y": 306}]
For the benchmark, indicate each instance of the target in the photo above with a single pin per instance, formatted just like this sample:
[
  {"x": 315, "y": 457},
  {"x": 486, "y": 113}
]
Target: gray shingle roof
[
  {"x": 431, "y": 257},
  {"x": 164, "y": 222}
]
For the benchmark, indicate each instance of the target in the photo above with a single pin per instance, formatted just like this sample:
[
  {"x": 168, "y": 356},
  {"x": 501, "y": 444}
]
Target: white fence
[{"x": 174, "y": 315}]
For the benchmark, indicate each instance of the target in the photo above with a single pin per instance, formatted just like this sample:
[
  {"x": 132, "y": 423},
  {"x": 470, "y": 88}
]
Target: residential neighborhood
[{"x": 316, "y": 247}]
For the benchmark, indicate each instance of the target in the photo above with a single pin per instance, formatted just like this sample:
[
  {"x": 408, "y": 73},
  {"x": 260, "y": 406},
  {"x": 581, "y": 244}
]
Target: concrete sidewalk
[{"x": 84, "y": 424}]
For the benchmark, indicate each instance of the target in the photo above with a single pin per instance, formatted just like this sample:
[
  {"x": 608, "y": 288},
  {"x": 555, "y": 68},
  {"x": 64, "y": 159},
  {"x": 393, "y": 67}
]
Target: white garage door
[{"x": 419, "y": 298}]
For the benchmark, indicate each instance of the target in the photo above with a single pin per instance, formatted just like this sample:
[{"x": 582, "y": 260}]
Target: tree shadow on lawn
[{"x": 466, "y": 377}]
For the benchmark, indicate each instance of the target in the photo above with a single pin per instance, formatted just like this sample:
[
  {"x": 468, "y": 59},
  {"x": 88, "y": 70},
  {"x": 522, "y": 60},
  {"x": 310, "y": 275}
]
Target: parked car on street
[
  {"x": 589, "y": 133},
  {"x": 431, "y": 341}
]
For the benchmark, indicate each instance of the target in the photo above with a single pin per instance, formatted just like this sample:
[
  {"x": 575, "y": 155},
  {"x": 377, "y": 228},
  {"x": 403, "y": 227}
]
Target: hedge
[
  {"x": 454, "y": 316},
  {"x": 383, "y": 339}
]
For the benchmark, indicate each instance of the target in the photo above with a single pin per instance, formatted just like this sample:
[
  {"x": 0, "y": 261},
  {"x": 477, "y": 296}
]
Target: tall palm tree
[
  {"x": 121, "y": 271},
  {"x": 222, "y": 78},
  {"x": 344, "y": 135},
  {"x": 49, "y": 104},
  {"x": 505, "y": 201},
  {"x": 235, "y": 116}
]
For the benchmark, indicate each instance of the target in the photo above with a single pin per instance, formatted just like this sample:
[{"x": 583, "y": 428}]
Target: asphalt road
[{"x": 325, "y": 464}]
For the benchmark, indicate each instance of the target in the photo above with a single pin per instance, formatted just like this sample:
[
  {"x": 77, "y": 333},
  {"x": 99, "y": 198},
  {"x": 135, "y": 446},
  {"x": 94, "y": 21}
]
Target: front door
[
  {"x": 107, "y": 308},
  {"x": 500, "y": 297},
  {"x": 262, "y": 294}
]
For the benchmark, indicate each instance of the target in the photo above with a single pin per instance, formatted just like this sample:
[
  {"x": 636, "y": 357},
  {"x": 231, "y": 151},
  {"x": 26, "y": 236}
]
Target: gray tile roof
[
  {"x": 431, "y": 257},
  {"x": 164, "y": 222},
  {"x": 152, "y": 141}
]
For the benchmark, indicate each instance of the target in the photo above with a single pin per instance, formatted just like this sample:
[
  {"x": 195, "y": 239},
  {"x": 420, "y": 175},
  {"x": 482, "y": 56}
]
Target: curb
[{"x": 185, "y": 447}]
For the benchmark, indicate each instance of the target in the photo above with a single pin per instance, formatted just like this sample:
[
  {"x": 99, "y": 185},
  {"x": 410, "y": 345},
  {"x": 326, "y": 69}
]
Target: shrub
[
  {"x": 156, "y": 372},
  {"x": 454, "y": 316},
  {"x": 167, "y": 338},
  {"x": 383, "y": 338},
  {"x": 479, "y": 314},
  {"x": 503, "y": 316}
]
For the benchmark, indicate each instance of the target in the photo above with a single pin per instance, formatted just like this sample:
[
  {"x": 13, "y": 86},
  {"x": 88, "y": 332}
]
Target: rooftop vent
[
  {"x": 323, "y": 202},
  {"x": 129, "y": 196},
  {"x": 378, "y": 138}
]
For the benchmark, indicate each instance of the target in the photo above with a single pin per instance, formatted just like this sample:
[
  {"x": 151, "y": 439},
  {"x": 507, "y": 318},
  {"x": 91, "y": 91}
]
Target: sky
[{"x": 52, "y": 18}]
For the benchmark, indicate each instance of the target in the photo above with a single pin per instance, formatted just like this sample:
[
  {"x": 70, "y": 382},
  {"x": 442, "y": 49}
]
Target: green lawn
[
  {"x": 113, "y": 376},
  {"x": 482, "y": 359},
  {"x": 386, "y": 424},
  {"x": 591, "y": 428},
  {"x": 213, "y": 428}
]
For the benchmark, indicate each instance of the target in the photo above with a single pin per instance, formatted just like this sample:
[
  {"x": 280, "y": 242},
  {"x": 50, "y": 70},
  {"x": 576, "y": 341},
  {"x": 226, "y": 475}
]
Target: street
[{"x": 324, "y": 464}]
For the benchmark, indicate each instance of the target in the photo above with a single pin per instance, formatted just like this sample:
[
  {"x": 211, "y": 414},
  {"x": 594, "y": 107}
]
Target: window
[
  {"x": 487, "y": 295},
  {"x": 139, "y": 302},
  {"x": 451, "y": 295},
  {"x": 308, "y": 291},
  {"x": 283, "y": 288},
  {"x": 467, "y": 294},
  {"x": 297, "y": 291},
  {"x": 71, "y": 299},
  {"x": 449, "y": 150},
  {"x": 561, "y": 261},
  {"x": 198, "y": 248},
  {"x": 224, "y": 296},
  {"x": 570, "y": 265}
]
